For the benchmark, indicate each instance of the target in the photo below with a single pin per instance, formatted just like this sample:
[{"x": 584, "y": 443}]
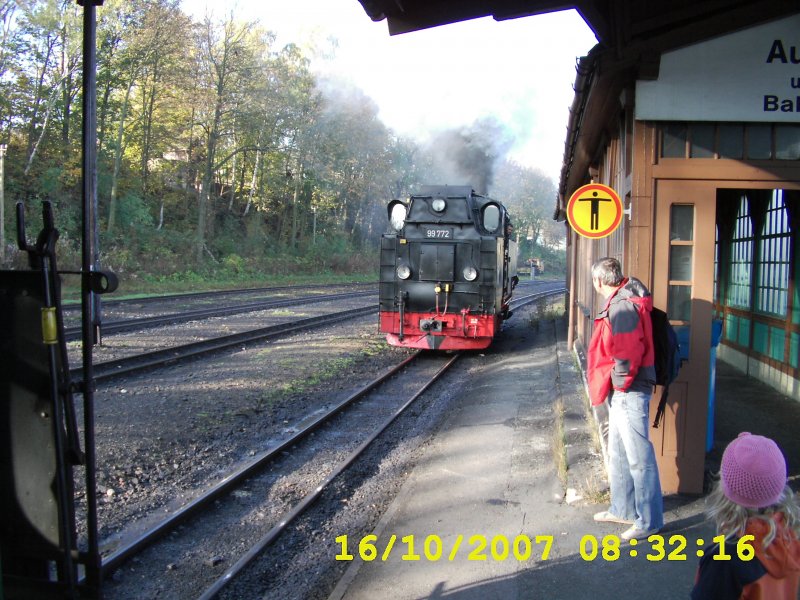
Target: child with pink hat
[{"x": 759, "y": 516}]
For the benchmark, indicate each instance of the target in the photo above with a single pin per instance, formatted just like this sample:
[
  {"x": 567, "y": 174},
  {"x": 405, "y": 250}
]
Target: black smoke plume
[{"x": 468, "y": 155}]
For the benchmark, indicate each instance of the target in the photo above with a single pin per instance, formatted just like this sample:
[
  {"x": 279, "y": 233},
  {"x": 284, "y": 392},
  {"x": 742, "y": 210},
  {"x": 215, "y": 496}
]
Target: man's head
[{"x": 606, "y": 275}]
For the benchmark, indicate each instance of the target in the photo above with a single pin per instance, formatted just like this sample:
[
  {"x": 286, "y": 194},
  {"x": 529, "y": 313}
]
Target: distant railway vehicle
[
  {"x": 448, "y": 268},
  {"x": 537, "y": 264}
]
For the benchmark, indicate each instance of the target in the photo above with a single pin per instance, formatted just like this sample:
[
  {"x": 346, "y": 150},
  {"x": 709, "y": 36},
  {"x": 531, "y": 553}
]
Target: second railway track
[
  {"x": 147, "y": 360},
  {"x": 147, "y": 322}
]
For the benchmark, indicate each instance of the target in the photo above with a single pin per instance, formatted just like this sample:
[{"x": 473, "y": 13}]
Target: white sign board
[{"x": 751, "y": 75}]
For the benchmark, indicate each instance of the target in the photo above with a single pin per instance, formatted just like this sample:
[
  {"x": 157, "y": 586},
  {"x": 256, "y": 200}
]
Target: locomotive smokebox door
[{"x": 437, "y": 262}]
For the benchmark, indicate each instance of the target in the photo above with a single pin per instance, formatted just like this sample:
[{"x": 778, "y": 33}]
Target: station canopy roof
[{"x": 614, "y": 22}]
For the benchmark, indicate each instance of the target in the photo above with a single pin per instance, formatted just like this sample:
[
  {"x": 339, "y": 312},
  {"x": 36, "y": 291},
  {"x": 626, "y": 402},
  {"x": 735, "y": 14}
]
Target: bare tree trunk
[
  {"x": 298, "y": 183},
  {"x": 207, "y": 182},
  {"x": 200, "y": 236},
  {"x": 37, "y": 103},
  {"x": 112, "y": 203},
  {"x": 254, "y": 179},
  {"x": 147, "y": 132},
  {"x": 66, "y": 95},
  {"x": 233, "y": 170},
  {"x": 34, "y": 146}
]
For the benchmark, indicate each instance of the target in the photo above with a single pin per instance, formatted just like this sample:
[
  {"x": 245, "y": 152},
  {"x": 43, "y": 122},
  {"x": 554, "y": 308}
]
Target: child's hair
[
  {"x": 752, "y": 485},
  {"x": 731, "y": 518}
]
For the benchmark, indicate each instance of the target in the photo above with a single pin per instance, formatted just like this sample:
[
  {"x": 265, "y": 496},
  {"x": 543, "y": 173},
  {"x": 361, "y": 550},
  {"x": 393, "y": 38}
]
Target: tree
[
  {"x": 530, "y": 196},
  {"x": 353, "y": 157},
  {"x": 224, "y": 64},
  {"x": 47, "y": 71},
  {"x": 149, "y": 71}
]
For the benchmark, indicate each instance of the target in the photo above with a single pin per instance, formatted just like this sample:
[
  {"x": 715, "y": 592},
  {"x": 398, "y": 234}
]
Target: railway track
[
  {"x": 104, "y": 371},
  {"x": 552, "y": 289},
  {"x": 141, "y": 323},
  {"x": 110, "y": 369},
  {"x": 191, "y": 297},
  {"x": 327, "y": 452}
]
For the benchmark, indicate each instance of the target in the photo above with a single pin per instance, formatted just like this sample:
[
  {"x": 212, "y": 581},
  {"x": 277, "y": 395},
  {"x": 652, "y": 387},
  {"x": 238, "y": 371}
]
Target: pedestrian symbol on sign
[
  {"x": 594, "y": 210},
  {"x": 595, "y": 224}
]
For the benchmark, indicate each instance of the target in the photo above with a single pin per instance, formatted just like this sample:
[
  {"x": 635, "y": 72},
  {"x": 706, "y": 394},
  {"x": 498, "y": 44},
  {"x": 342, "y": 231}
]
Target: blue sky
[{"x": 519, "y": 71}]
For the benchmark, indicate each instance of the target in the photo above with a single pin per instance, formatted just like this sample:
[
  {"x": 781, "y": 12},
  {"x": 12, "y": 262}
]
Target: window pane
[
  {"x": 777, "y": 341},
  {"x": 741, "y": 258},
  {"x": 680, "y": 263},
  {"x": 731, "y": 141},
  {"x": 673, "y": 143},
  {"x": 702, "y": 141},
  {"x": 743, "y": 336},
  {"x": 773, "y": 281},
  {"x": 787, "y": 142},
  {"x": 759, "y": 141},
  {"x": 679, "y": 302},
  {"x": 682, "y": 222}
]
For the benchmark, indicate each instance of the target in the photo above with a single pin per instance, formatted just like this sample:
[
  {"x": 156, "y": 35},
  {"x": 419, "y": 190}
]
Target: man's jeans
[{"x": 633, "y": 472}]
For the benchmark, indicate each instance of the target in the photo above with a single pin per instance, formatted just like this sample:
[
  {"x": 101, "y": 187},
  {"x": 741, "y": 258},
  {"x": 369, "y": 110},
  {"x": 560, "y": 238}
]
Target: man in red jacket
[{"x": 621, "y": 372}]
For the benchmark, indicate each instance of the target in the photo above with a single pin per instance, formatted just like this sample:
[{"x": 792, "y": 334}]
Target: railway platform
[{"x": 485, "y": 514}]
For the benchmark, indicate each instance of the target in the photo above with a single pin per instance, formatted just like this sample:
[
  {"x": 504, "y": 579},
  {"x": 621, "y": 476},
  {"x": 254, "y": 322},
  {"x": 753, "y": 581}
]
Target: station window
[
  {"x": 774, "y": 269},
  {"x": 731, "y": 140},
  {"x": 755, "y": 141},
  {"x": 759, "y": 141},
  {"x": 673, "y": 140},
  {"x": 741, "y": 258},
  {"x": 681, "y": 254},
  {"x": 787, "y": 142},
  {"x": 702, "y": 140}
]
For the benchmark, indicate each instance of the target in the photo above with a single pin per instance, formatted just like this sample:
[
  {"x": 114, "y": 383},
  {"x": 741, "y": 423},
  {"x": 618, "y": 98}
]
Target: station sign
[
  {"x": 594, "y": 210},
  {"x": 745, "y": 76}
]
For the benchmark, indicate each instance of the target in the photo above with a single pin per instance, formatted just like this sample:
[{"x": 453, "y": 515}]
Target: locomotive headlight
[
  {"x": 470, "y": 273},
  {"x": 438, "y": 204},
  {"x": 404, "y": 271},
  {"x": 397, "y": 214}
]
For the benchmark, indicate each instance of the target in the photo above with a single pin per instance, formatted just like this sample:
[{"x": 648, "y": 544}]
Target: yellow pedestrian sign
[{"x": 594, "y": 210}]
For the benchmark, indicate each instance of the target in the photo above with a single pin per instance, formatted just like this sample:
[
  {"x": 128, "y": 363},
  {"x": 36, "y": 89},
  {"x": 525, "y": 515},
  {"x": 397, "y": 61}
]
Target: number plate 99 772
[{"x": 438, "y": 233}]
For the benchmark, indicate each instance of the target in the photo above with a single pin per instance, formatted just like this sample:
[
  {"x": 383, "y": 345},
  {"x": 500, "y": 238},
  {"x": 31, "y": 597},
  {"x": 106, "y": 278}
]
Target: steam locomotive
[{"x": 448, "y": 268}]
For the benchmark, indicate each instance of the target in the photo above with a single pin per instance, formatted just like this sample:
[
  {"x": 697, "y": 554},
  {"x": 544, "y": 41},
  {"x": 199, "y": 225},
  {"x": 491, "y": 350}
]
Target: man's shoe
[
  {"x": 634, "y": 533},
  {"x": 607, "y": 517}
]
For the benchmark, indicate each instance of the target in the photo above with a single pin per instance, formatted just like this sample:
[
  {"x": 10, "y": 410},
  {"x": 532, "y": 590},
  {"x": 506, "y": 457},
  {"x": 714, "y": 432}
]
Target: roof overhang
[{"x": 404, "y": 16}]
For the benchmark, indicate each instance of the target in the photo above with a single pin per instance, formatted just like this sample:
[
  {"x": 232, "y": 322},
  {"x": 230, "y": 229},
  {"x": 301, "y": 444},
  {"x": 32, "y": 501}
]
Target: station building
[
  {"x": 701, "y": 140},
  {"x": 690, "y": 111}
]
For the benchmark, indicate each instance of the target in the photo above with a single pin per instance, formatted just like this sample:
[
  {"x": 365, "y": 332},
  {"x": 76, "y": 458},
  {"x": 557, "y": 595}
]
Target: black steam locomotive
[{"x": 448, "y": 268}]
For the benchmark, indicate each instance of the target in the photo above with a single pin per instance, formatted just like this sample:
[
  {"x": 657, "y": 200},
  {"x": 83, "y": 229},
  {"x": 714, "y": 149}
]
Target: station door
[{"x": 683, "y": 282}]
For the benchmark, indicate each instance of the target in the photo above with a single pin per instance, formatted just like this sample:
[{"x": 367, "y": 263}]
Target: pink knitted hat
[{"x": 753, "y": 471}]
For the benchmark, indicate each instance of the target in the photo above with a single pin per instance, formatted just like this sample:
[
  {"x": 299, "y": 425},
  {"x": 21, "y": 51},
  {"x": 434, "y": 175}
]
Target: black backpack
[{"x": 667, "y": 352}]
